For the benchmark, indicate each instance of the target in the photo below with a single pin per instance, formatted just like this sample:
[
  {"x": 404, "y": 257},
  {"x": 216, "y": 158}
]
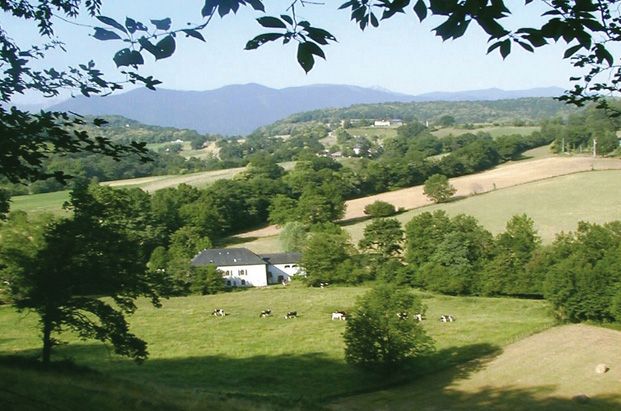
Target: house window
[
  {"x": 228, "y": 283},
  {"x": 294, "y": 266},
  {"x": 243, "y": 282},
  {"x": 242, "y": 272},
  {"x": 287, "y": 266}
]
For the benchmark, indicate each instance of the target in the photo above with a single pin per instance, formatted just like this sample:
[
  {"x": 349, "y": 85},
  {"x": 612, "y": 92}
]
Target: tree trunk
[{"x": 47, "y": 339}]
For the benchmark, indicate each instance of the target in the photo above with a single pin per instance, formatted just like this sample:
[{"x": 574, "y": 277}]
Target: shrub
[
  {"x": 379, "y": 209},
  {"x": 376, "y": 338}
]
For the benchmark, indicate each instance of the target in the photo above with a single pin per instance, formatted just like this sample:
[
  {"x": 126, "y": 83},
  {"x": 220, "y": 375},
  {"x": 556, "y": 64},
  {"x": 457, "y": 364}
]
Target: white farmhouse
[
  {"x": 243, "y": 268},
  {"x": 282, "y": 266}
]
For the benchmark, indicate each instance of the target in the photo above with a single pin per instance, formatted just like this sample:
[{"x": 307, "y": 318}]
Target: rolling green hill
[{"x": 288, "y": 361}]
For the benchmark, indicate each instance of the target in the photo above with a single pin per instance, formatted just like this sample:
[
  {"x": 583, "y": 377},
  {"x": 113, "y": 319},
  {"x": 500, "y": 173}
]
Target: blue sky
[{"x": 402, "y": 55}]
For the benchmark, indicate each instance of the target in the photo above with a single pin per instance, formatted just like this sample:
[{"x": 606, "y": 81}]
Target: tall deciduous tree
[
  {"x": 438, "y": 188},
  {"x": 323, "y": 254},
  {"x": 506, "y": 272},
  {"x": 77, "y": 261},
  {"x": 383, "y": 237},
  {"x": 376, "y": 338}
]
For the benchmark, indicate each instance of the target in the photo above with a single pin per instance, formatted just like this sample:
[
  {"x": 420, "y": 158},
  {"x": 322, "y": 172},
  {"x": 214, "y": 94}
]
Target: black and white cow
[
  {"x": 291, "y": 314},
  {"x": 339, "y": 315},
  {"x": 323, "y": 285},
  {"x": 218, "y": 312},
  {"x": 419, "y": 317},
  {"x": 403, "y": 315},
  {"x": 446, "y": 318},
  {"x": 266, "y": 313}
]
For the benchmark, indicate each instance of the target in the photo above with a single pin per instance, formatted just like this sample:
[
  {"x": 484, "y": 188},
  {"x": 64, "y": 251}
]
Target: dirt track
[{"x": 506, "y": 175}]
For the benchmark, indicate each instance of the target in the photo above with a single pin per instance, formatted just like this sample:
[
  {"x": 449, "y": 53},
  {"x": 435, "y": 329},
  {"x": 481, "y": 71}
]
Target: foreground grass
[{"x": 299, "y": 361}]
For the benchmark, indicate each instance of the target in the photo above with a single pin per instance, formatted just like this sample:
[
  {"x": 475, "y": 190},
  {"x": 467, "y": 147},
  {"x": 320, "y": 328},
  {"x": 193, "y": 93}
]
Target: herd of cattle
[{"x": 339, "y": 315}]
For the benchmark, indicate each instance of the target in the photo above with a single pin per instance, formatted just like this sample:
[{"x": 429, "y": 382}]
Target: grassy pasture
[
  {"x": 494, "y": 131},
  {"x": 52, "y": 202},
  {"x": 295, "y": 360},
  {"x": 369, "y": 132},
  {"x": 541, "y": 372},
  {"x": 41, "y": 203},
  {"x": 556, "y": 204}
]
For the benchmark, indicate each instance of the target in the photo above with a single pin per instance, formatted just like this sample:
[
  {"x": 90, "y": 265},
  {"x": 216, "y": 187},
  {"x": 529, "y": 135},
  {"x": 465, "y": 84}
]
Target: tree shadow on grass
[{"x": 305, "y": 380}]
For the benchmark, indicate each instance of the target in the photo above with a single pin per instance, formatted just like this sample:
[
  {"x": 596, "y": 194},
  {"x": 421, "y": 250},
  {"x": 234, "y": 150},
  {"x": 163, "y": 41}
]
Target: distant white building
[
  {"x": 395, "y": 122},
  {"x": 243, "y": 268}
]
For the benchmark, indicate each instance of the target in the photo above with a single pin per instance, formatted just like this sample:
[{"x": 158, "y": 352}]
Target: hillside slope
[
  {"x": 240, "y": 109},
  {"x": 546, "y": 371}
]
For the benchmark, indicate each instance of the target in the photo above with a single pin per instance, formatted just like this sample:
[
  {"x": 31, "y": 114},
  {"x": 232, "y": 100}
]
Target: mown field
[
  {"x": 41, "y": 203},
  {"x": 52, "y": 202},
  {"x": 286, "y": 361},
  {"x": 555, "y": 204},
  {"x": 494, "y": 131}
]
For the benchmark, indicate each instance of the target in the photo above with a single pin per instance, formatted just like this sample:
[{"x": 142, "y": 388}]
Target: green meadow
[
  {"x": 494, "y": 131},
  {"x": 556, "y": 204},
  {"x": 282, "y": 361}
]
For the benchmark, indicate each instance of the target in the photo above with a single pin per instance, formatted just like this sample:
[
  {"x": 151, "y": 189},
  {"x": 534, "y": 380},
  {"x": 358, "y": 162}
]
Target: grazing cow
[
  {"x": 266, "y": 313},
  {"x": 218, "y": 312},
  {"x": 403, "y": 315},
  {"x": 339, "y": 315},
  {"x": 284, "y": 283},
  {"x": 445, "y": 318},
  {"x": 323, "y": 285},
  {"x": 291, "y": 314},
  {"x": 419, "y": 317}
]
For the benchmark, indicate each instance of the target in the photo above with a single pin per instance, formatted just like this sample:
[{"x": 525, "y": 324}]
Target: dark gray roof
[
  {"x": 227, "y": 256},
  {"x": 281, "y": 258}
]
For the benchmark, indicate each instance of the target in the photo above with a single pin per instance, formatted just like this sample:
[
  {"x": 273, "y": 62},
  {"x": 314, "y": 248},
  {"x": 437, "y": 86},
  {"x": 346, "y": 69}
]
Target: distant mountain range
[{"x": 240, "y": 109}]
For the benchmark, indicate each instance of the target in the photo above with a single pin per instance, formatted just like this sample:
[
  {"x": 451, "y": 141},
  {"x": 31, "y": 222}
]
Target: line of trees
[{"x": 579, "y": 273}]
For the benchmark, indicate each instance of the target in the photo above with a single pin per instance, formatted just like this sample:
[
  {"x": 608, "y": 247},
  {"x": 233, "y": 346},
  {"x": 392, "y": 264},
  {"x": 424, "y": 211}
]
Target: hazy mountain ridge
[{"x": 240, "y": 109}]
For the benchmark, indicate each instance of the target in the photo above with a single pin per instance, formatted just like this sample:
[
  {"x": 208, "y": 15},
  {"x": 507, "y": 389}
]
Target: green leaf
[
  {"x": 305, "y": 57},
  {"x": 314, "y": 49},
  {"x": 374, "y": 21},
  {"x": 194, "y": 33},
  {"x": 128, "y": 57},
  {"x": 571, "y": 51},
  {"x": 318, "y": 35},
  {"x": 525, "y": 46},
  {"x": 111, "y": 22},
  {"x": 286, "y": 18},
  {"x": 271, "y": 22},
  {"x": 209, "y": 7},
  {"x": 147, "y": 45},
  {"x": 165, "y": 48},
  {"x": 163, "y": 24},
  {"x": 505, "y": 48},
  {"x": 133, "y": 25},
  {"x": 103, "y": 34},
  {"x": 261, "y": 39},
  {"x": 257, "y": 5}
]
